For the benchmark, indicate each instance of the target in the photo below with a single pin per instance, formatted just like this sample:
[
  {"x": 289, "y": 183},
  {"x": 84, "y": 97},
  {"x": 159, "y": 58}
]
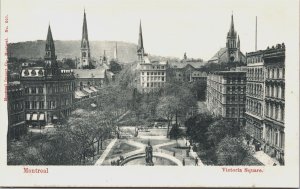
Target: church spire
[
  {"x": 85, "y": 46},
  {"x": 85, "y": 38},
  {"x": 231, "y": 32},
  {"x": 50, "y": 58},
  {"x": 49, "y": 41},
  {"x": 140, "y": 42}
]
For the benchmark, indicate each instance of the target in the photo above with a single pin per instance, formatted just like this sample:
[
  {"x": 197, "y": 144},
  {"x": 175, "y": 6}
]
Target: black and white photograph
[{"x": 118, "y": 86}]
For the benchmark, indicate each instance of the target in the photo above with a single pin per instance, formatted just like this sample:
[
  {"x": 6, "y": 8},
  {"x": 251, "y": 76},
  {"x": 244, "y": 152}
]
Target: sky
[{"x": 170, "y": 27}]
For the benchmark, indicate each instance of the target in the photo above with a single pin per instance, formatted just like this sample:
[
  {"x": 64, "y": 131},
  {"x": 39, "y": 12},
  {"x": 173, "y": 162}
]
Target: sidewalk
[
  {"x": 105, "y": 153},
  {"x": 265, "y": 159}
]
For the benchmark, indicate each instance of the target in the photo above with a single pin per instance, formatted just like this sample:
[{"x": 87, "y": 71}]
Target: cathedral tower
[
  {"x": 232, "y": 44},
  {"x": 140, "y": 49},
  {"x": 50, "y": 57},
  {"x": 85, "y": 46}
]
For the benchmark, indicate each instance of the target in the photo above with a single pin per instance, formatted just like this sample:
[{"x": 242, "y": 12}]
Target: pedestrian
[
  {"x": 183, "y": 162},
  {"x": 174, "y": 154},
  {"x": 196, "y": 161}
]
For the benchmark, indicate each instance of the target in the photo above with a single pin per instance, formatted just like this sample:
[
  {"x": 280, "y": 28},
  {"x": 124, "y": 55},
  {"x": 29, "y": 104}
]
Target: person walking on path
[
  {"x": 183, "y": 162},
  {"x": 196, "y": 161}
]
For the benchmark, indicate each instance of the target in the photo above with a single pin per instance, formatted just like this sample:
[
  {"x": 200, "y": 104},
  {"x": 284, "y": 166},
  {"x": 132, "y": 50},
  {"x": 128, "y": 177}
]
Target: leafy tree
[
  {"x": 115, "y": 67},
  {"x": 231, "y": 151},
  {"x": 176, "y": 133},
  {"x": 222, "y": 128},
  {"x": 197, "y": 126},
  {"x": 167, "y": 107}
]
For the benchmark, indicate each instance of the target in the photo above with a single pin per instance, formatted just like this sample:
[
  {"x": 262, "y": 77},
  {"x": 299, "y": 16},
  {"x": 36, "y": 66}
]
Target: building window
[
  {"x": 163, "y": 78},
  {"x": 26, "y": 90},
  {"x": 41, "y": 105},
  {"x": 142, "y": 73},
  {"x": 40, "y": 90},
  {"x": 33, "y": 90},
  {"x": 34, "y": 105},
  {"x": 27, "y": 104}
]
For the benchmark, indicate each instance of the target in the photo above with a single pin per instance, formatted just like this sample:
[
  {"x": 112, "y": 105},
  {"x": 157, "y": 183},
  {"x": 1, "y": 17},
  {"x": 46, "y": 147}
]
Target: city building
[
  {"x": 48, "y": 90},
  {"x": 153, "y": 75},
  {"x": 266, "y": 99},
  {"x": 226, "y": 94},
  {"x": 16, "y": 110},
  {"x": 232, "y": 51},
  {"x": 85, "y": 60}
]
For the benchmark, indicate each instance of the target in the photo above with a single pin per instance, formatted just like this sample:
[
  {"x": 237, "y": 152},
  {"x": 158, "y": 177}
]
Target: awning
[
  {"x": 42, "y": 117},
  {"x": 34, "y": 117},
  {"x": 88, "y": 90},
  {"x": 93, "y": 88},
  {"x": 79, "y": 94},
  {"x": 93, "y": 105},
  {"x": 28, "y": 117}
]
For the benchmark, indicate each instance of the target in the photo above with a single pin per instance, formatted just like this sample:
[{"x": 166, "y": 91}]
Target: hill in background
[{"x": 71, "y": 49}]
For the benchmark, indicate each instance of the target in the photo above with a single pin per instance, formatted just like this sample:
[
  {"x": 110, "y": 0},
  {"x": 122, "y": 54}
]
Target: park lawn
[
  {"x": 153, "y": 142},
  {"x": 120, "y": 148},
  {"x": 174, "y": 148}
]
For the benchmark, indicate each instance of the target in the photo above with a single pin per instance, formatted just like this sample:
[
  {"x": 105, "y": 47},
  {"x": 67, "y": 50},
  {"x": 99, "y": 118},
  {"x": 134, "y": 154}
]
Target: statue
[{"x": 149, "y": 155}]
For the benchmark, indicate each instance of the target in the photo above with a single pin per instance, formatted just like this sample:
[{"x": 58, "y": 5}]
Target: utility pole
[{"x": 256, "y": 33}]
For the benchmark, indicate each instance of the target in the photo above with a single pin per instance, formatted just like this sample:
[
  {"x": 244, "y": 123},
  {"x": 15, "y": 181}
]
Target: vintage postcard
[{"x": 192, "y": 93}]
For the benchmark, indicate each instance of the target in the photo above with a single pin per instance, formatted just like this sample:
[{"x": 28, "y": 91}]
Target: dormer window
[{"x": 33, "y": 73}]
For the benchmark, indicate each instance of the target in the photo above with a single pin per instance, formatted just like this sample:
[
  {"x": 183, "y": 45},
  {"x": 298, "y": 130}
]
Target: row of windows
[
  {"x": 255, "y": 90},
  {"x": 235, "y": 112},
  {"x": 16, "y": 106},
  {"x": 274, "y": 136},
  {"x": 274, "y": 111},
  {"x": 153, "y": 67},
  {"x": 234, "y": 99},
  {"x": 275, "y": 91},
  {"x": 34, "y": 90},
  {"x": 275, "y": 73},
  {"x": 255, "y": 74},
  {"x": 154, "y": 73},
  {"x": 41, "y": 104},
  {"x": 254, "y": 59},
  {"x": 254, "y": 107},
  {"x": 153, "y": 84},
  {"x": 154, "y": 78}
]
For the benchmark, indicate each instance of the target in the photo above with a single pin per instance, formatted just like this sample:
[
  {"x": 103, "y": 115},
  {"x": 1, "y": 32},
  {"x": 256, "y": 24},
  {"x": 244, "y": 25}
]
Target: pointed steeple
[
  {"x": 85, "y": 46},
  {"x": 85, "y": 38},
  {"x": 232, "y": 32},
  {"x": 49, "y": 42},
  {"x": 140, "y": 42}
]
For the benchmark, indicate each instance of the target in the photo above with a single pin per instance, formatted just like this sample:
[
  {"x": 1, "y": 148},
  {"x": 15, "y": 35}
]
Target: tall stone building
[
  {"x": 226, "y": 94},
  {"x": 48, "y": 90},
  {"x": 152, "y": 74},
  {"x": 16, "y": 110},
  {"x": 85, "y": 60},
  {"x": 232, "y": 51},
  {"x": 266, "y": 99}
]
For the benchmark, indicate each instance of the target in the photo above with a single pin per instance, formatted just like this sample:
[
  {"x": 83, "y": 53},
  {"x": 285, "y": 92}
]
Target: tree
[
  {"x": 222, "y": 128},
  {"x": 231, "y": 151},
  {"x": 176, "y": 133},
  {"x": 197, "y": 126},
  {"x": 115, "y": 67}
]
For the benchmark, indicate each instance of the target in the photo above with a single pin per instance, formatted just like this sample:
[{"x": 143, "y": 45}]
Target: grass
[
  {"x": 120, "y": 148},
  {"x": 153, "y": 142}
]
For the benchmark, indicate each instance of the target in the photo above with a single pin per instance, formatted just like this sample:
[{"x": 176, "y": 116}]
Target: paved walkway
[
  {"x": 265, "y": 159},
  {"x": 157, "y": 151},
  {"x": 106, "y": 151}
]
